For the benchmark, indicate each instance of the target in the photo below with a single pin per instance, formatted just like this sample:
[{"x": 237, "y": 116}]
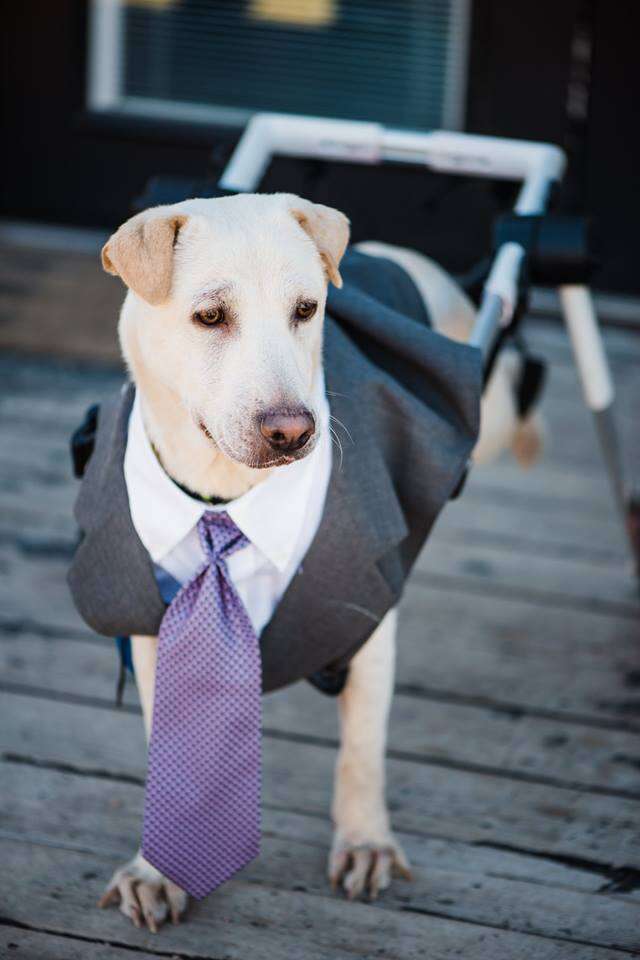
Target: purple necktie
[{"x": 202, "y": 803}]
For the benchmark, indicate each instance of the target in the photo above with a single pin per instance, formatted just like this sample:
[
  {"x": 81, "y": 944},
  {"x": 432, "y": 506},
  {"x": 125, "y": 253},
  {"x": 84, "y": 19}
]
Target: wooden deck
[{"x": 514, "y": 758}]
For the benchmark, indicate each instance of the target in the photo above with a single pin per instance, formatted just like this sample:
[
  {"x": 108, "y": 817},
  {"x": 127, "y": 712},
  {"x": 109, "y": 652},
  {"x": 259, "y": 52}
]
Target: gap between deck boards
[
  {"x": 444, "y": 800},
  {"x": 617, "y": 879},
  {"x": 426, "y": 759}
]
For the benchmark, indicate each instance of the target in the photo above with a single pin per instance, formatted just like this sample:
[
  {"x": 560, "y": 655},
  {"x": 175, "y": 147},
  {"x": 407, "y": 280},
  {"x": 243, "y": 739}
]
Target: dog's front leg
[
  {"x": 143, "y": 893},
  {"x": 364, "y": 851}
]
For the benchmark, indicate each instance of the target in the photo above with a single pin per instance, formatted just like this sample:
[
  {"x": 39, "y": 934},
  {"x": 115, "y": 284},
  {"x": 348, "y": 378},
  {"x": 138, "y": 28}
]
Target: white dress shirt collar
[{"x": 271, "y": 515}]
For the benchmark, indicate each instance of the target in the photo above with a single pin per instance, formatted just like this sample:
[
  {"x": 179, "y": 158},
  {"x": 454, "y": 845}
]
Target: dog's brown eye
[
  {"x": 305, "y": 309},
  {"x": 211, "y": 317}
]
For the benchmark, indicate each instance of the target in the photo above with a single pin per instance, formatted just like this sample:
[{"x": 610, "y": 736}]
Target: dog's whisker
[
  {"x": 346, "y": 430},
  {"x": 336, "y": 439}
]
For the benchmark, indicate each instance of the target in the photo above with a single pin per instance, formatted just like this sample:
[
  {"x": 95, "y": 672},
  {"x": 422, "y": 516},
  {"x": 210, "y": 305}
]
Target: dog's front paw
[
  {"x": 144, "y": 895},
  {"x": 365, "y": 866}
]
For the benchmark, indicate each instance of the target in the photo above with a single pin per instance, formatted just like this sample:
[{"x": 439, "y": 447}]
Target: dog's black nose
[{"x": 285, "y": 431}]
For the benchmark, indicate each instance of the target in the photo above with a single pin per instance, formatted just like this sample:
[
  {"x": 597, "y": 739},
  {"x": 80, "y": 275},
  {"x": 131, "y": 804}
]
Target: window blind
[{"x": 398, "y": 62}]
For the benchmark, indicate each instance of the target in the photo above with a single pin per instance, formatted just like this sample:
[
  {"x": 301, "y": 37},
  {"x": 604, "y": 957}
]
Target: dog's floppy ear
[
  {"x": 329, "y": 230},
  {"x": 141, "y": 253}
]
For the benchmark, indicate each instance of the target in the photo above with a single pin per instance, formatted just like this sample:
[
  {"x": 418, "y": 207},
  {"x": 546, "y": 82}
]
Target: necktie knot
[{"x": 219, "y": 535}]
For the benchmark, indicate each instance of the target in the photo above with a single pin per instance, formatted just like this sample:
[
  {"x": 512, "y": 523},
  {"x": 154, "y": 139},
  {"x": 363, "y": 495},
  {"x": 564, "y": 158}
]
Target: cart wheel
[{"x": 633, "y": 527}]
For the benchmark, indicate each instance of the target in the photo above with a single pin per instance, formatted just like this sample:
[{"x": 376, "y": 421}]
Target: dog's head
[{"x": 226, "y": 308}]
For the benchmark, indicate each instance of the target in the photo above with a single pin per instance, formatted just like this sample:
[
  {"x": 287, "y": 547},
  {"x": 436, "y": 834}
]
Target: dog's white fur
[{"x": 202, "y": 390}]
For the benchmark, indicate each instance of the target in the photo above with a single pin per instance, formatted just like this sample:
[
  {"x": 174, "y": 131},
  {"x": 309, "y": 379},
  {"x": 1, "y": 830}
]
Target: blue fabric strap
[{"x": 168, "y": 587}]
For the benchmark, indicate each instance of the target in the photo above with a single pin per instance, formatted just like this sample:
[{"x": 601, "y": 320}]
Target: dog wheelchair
[{"x": 531, "y": 246}]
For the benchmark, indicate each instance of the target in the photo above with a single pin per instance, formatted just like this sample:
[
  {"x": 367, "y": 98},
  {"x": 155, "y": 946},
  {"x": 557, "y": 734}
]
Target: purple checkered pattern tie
[{"x": 202, "y": 803}]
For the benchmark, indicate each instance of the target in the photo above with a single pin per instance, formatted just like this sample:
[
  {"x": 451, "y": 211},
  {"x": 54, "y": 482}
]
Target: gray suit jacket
[{"x": 410, "y": 401}]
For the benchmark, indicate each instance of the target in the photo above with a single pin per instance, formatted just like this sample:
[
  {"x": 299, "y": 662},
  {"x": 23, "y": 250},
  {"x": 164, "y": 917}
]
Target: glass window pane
[{"x": 399, "y": 63}]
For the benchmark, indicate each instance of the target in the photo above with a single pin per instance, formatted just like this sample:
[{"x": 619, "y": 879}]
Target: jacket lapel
[{"x": 339, "y": 595}]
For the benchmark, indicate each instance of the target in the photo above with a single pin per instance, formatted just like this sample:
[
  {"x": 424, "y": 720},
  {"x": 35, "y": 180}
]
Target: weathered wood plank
[
  {"x": 49, "y": 429},
  {"x": 60, "y": 303},
  {"x": 509, "y": 652},
  {"x": 245, "y": 919},
  {"x": 85, "y": 668},
  {"x": 548, "y": 338},
  {"x": 59, "y": 890},
  {"x": 454, "y": 880},
  {"x": 69, "y": 279},
  {"x": 477, "y": 738},
  {"x": 36, "y": 507},
  {"x": 452, "y": 733},
  {"x": 78, "y": 811},
  {"x": 40, "y": 453},
  {"x": 58, "y": 381},
  {"x": 542, "y": 488},
  {"x": 571, "y": 437},
  {"x": 549, "y": 579},
  {"x": 32, "y": 589},
  {"x": 566, "y": 532},
  {"x": 37, "y": 494},
  {"x": 36, "y": 432},
  {"x": 424, "y": 798},
  {"x": 21, "y": 944},
  {"x": 519, "y": 652}
]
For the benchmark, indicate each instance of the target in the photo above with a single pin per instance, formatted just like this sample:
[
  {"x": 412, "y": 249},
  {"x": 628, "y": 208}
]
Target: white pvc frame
[{"x": 536, "y": 165}]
